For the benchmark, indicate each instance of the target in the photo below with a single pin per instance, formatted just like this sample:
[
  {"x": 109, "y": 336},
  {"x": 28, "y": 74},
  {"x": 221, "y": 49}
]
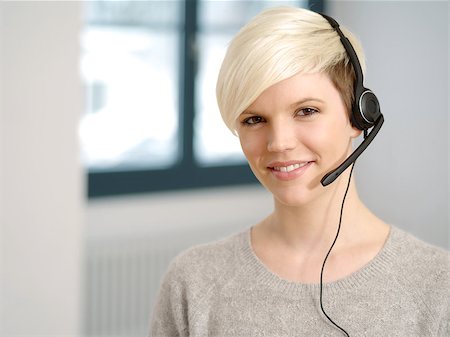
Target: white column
[{"x": 41, "y": 180}]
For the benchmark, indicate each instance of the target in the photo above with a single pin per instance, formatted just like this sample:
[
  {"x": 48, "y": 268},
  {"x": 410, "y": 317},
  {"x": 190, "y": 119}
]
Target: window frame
[{"x": 185, "y": 173}]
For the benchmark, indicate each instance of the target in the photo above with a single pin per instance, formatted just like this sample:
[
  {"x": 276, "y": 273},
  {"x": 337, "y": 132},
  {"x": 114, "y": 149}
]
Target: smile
[{"x": 289, "y": 168}]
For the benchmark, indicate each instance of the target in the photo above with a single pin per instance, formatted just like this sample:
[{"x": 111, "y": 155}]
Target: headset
[
  {"x": 365, "y": 112},
  {"x": 365, "y": 115}
]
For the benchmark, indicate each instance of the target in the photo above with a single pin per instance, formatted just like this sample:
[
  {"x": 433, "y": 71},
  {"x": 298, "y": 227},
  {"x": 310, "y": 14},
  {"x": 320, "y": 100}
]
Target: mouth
[{"x": 289, "y": 168}]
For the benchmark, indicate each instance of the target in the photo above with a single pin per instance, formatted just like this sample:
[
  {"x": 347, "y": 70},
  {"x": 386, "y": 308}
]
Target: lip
[{"x": 294, "y": 174}]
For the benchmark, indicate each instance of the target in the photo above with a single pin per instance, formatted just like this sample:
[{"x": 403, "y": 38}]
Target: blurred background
[{"x": 113, "y": 156}]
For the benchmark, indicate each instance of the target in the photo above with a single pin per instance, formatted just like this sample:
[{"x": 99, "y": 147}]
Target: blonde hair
[{"x": 277, "y": 44}]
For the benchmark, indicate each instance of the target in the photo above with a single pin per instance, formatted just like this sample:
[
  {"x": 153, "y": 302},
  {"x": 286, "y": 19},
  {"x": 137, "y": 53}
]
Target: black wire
[{"x": 329, "y": 251}]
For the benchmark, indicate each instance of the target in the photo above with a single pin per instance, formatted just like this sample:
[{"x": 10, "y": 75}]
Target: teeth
[{"x": 289, "y": 168}]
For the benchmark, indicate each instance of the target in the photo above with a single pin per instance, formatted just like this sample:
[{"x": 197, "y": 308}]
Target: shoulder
[
  {"x": 423, "y": 271},
  {"x": 424, "y": 258},
  {"x": 190, "y": 280},
  {"x": 204, "y": 264}
]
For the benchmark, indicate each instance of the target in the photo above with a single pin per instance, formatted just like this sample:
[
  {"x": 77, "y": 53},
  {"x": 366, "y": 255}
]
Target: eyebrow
[
  {"x": 293, "y": 105},
  {"x": 305, "y": 100}
]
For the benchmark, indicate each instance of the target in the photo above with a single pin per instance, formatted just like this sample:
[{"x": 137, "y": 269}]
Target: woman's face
[{"x": 293, "y": 134}]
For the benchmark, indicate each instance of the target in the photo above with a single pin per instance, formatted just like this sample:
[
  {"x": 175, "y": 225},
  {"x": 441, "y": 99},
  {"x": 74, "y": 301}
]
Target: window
[
  {"x": 150, "y": 69},
  {"x": 130, "y": 66}
]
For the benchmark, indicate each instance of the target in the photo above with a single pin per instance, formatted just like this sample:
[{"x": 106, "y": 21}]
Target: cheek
[
  {"x": 329, "y": 138},
  {"x": 318, "y": 136},
  {"x": 251, "y": 142},
  {"x": 252, "y": 146}
]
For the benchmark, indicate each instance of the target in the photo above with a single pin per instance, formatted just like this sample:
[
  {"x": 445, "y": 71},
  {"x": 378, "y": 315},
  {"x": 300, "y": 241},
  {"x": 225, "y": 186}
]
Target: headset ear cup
[
  {"x": 355, "y": 119},
  {"x": 369, "y": 106},
  {"x": 366, "y": 110}
]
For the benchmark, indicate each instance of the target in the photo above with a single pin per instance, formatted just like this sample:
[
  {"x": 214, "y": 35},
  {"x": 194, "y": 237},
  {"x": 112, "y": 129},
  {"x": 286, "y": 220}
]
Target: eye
[
  {"x": 306, "y": 112},
  {"x": 253, "y": 120}
]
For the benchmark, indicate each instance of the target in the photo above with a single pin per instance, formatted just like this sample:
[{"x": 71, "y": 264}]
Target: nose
[{"x": 282, "y": 138}]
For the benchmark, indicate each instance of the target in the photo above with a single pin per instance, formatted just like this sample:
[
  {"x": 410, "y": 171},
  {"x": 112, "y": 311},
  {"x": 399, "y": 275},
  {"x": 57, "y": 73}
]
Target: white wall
[
  {"x": 41, "y": 181},
  {"x": 404, "y": 176},
  {"x": 215, "y": 211}
]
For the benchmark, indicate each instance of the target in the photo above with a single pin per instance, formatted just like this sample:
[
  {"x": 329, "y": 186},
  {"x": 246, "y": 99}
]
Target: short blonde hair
[{"x": 277, "y": 44}]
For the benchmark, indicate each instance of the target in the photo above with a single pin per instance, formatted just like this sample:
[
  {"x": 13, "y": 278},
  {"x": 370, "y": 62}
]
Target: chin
[{"x": 294, "y": 196}]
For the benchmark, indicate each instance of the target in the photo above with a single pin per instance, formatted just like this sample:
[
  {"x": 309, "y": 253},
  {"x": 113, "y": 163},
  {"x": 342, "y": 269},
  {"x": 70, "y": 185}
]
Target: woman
[{"x": 321, "y": 264}]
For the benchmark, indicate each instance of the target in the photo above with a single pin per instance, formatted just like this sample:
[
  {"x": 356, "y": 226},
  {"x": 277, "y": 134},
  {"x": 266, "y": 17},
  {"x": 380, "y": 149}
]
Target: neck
[
  {"x": 315, "y": 225},
  {"x": 293, "y": 241}
]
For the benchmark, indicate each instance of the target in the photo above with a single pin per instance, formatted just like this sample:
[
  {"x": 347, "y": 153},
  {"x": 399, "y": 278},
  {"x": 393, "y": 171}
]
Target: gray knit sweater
[{"x": 223, "y": 289}]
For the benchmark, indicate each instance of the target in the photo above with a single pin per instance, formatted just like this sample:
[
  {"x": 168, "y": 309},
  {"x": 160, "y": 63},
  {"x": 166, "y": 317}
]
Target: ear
[{"x": 355, "y": 132}]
